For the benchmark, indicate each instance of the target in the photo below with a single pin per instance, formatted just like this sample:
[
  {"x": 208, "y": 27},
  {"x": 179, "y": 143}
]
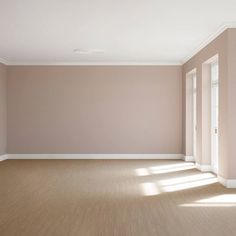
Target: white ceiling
[{"x": 128, "y": 31}]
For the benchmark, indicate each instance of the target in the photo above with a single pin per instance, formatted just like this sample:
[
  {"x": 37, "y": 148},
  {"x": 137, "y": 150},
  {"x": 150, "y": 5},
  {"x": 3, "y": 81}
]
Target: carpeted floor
[{"x": 112, "y": 198}]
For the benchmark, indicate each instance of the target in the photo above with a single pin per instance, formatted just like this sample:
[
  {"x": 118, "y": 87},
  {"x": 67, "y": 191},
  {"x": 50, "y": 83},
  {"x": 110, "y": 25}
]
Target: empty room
[{"x": 117, "y": 118}]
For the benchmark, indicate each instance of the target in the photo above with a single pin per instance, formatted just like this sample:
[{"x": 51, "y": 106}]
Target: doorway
[
  {"x": 194, "y": 78},
  {"x": 191, "y": 116},
  {"x": 214, "y": 115}
]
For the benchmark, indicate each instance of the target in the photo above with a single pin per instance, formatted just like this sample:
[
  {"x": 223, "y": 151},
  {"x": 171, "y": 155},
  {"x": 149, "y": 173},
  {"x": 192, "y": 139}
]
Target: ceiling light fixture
[
  {"x": 88, "y": 51},
  {"x": 81, "y": 51}
]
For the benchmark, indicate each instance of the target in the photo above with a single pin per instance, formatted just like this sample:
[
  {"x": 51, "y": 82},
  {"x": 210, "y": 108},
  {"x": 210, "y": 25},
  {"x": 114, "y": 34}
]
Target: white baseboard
[
  {"x": 96, "y": 156},
  {"x": 3, "y": 157},
  {"x": 203, "y": 168},
  {"x": 189, "y": 158},
  {"x": 228, "y": 183},
  {"x": 214, "y": 169}
]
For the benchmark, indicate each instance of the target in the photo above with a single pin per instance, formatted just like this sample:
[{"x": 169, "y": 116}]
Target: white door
[{"x": 214, "y": 115}]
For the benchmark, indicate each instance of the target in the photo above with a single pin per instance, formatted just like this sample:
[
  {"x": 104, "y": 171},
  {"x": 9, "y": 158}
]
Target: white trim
[
  {"x": 189, "y": 158},
  {"x": 94, "y": 63},
  {"x": 3, "y": 157},
  {"x": 191, "y": 72},
  {"x": 213, "y": 36},
  {"x": 96, "y": 156},
  {"x": 222, "y": 180},
  {"x": 203, "y": 168},
  {"x": 228, "y": 183},
  {"x": 212, "y": 60},
  {"x": 214, "y": 169}
]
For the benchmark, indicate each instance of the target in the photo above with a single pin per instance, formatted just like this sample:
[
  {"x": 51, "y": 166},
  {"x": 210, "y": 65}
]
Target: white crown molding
[
  {"x": 3, "y": 157},
  {"x": 213, "y": 36},
  {"x": 96, "y": 156},
  {"x": 131, "y": 63},
  {"x": 228, "y": 183}
]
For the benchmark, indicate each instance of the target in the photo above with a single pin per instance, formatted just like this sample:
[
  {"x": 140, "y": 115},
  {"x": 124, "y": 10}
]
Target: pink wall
[
  {"x": 3, "y": 113},
  {"x": 225, "y": 47},
  {"x": 89, "y": 109},
  {"x": 232, "y": 103}
]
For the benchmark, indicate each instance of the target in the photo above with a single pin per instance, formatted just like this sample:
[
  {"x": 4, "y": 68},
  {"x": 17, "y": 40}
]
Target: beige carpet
[{"x": 112, "y": 197}]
